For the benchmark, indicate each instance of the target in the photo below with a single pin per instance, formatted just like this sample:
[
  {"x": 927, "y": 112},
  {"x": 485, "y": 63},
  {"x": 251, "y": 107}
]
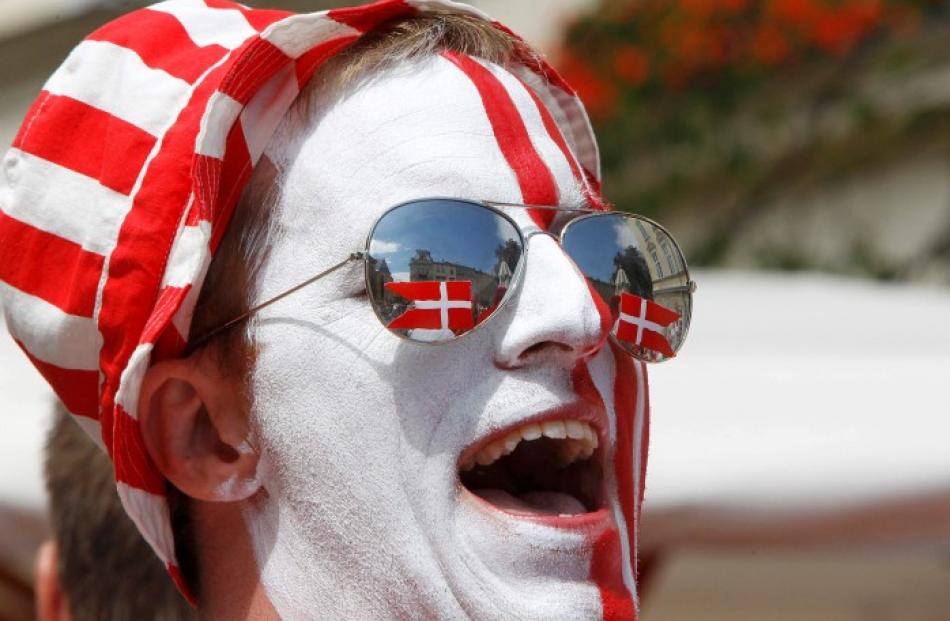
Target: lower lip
[{"x": 578, "y": 522}]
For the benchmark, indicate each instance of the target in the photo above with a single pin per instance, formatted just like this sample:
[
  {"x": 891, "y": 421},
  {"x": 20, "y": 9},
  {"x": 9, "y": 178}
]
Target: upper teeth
[{"x": 580, "y": 441}]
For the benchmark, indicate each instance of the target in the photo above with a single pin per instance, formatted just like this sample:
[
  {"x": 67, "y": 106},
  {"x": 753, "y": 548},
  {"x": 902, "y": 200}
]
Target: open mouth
[{"x": 550, "y": 468}]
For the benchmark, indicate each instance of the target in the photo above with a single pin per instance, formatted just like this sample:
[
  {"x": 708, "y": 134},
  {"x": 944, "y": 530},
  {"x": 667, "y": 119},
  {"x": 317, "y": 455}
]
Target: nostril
[{"x": 543, "y": 346}]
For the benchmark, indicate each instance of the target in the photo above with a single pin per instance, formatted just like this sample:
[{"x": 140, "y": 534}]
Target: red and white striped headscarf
[{"x": 122, "y": 179}]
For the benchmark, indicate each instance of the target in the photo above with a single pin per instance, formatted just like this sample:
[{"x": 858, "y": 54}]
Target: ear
[
  {"x": 195, "y": 425},
  {"x": 51, "y": 602}
]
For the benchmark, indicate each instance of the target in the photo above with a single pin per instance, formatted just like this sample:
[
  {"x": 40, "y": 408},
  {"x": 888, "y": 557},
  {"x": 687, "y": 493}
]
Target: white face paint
[{"x": 363, "y": 515}]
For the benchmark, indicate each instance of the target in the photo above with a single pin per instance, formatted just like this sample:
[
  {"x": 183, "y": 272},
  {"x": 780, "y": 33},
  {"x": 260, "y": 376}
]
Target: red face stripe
[
  {"x": 644, "y": 441},
  {"x": 603, "y": 311},
  {"x": 606, "y": 571},
  {"x": 366, "y": 18},
  {"x": 607, "y": 559},
  {"x": 85, "y": 139},
  {"x": 78, "y": 389},
  {"x": 594, "y": 199},
  {"x": 534, "y": 177},
  {"x": 625, "y": 408},
  {"x": 67, "y": 277},
  {"x": 161, "y": 42}
]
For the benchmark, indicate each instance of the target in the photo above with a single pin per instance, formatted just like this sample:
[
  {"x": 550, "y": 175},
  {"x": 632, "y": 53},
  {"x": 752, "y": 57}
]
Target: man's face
[{"x": 362, "y": 434}]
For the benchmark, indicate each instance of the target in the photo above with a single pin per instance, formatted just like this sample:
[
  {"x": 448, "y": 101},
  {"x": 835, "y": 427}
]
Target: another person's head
[
  {"x": 96, "y": 566},
  {"x": 320, "y": 465}
]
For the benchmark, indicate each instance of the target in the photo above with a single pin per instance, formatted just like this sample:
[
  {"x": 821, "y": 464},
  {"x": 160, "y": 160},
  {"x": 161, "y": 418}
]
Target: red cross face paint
[{"x": 495, "y": 476}]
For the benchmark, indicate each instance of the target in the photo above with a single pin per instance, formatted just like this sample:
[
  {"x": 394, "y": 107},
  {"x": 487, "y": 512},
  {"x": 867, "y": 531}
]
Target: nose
[{"x": 555, "y": 314}]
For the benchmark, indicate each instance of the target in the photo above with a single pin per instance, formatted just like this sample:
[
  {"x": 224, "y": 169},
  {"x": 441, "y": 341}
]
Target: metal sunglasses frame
[{"x": 516, "y": 277}]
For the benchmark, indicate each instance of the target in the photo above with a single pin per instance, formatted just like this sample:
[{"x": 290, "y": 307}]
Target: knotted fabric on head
[{"x": 122, "y": 179}]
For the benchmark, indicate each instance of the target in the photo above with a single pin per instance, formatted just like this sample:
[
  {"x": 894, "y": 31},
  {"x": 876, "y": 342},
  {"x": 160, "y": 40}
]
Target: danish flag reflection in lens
[
  {"x": 640, "y": 273},
  {"x": 643, "y": 323},
  {"x": 437, "y": 305},
  {"x": 439, "y": 267}
]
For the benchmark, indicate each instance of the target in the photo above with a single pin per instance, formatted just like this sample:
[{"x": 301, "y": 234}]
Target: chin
[{"x": 532, "y": 501}]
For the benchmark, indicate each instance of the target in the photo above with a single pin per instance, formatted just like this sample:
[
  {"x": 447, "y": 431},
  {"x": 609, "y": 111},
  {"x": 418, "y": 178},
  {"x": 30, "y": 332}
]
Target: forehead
[{"x": 421, "y": 129}]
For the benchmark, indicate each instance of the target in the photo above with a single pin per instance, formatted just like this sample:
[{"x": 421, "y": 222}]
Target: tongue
[{"x": 533, "y": 503}]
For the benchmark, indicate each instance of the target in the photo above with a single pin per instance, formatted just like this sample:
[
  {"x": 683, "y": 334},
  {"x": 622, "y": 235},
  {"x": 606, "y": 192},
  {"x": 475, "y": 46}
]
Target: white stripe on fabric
[
  {"x": 182, "y": 319},
  {"x": 207, "y": 26},
  {"x": 150, "y": 514},
  {"x": 267, "y": 108},
  {"x": 219, "y": 117},
  {"x": 447, "y": 6},
  {"x": 297, "y": 34},
  {"x": 189, "y": 256},
  {"x": 49, "y": 333},
  {"x": 130, "y": 383},
  {"x": 540, "y": 138},
  {"x": 62, "y": 202},
  {"x": 149, "y": 98}
]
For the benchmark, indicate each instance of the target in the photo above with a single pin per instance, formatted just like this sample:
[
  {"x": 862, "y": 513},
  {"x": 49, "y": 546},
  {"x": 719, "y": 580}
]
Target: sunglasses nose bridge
[{"x": 553, "y": 313}]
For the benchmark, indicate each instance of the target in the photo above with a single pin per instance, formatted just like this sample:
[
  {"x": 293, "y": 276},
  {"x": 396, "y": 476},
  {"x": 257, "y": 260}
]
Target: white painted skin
[{"x": 360, "y": 514}]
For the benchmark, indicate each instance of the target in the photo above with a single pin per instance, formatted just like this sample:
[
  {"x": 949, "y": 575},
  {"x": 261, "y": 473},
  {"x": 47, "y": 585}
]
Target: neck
[{"x": 230, "y": 586}]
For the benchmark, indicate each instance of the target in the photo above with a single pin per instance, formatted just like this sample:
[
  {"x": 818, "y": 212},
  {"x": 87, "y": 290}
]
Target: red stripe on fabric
[
  {"x": 209, "y": 169},
  {"x": 313, "y": 59},
  {"x": 170, "y": 344},
  {"x": 534, "y": 177},
  {"x": 78, "y": 389},
  {"x": 85, "y": 139},
  {"x": 179, "y": 581},
  {"x": 161, "y": 42},
  {"x": 234, "y": 172},
  {"x": 594, "y": 199},
  {"x": 133, "y": 464},
  {"x": 224, "y": 181},
  {"x": 137, "y": 264},
  {"x": 259, "y": 19},
  {"x": 257, "y": 61},
  {"x": 367, "y": 17},
  {"x": 625, "y": 407},
  {"x": 607, "y": 572},
  {"x": 170, "y": 297},
  {"x": 49, "y": 267}
]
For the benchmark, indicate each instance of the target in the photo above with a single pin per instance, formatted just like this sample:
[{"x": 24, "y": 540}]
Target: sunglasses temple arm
[
  {"x": 356, "y": 256},
  {"x": 689, "y": 287}
]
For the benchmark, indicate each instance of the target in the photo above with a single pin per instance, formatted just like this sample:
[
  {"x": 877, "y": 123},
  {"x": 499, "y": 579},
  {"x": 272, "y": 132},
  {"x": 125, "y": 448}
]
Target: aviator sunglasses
[{"x": 437, "y": 268}]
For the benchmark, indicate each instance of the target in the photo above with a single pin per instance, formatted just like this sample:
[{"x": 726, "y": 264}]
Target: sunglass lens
[
  {"x": 438, "y": 267},
  {"x": 640, "y": 272}
]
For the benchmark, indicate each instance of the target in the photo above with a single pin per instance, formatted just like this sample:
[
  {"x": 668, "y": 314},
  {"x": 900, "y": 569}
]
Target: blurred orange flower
[
  {"x": 599, "y": 95},
  {"x": 632, "y": 65},
  {"x": 769, "y": 45}
]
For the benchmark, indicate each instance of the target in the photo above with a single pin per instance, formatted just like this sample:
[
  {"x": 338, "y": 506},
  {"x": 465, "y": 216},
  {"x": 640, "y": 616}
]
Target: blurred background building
[{"x": 800, "y": 151}]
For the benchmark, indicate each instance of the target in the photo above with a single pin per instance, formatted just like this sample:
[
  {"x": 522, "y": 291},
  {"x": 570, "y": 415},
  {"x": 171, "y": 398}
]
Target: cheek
[{"x": 319, "y": 394}]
